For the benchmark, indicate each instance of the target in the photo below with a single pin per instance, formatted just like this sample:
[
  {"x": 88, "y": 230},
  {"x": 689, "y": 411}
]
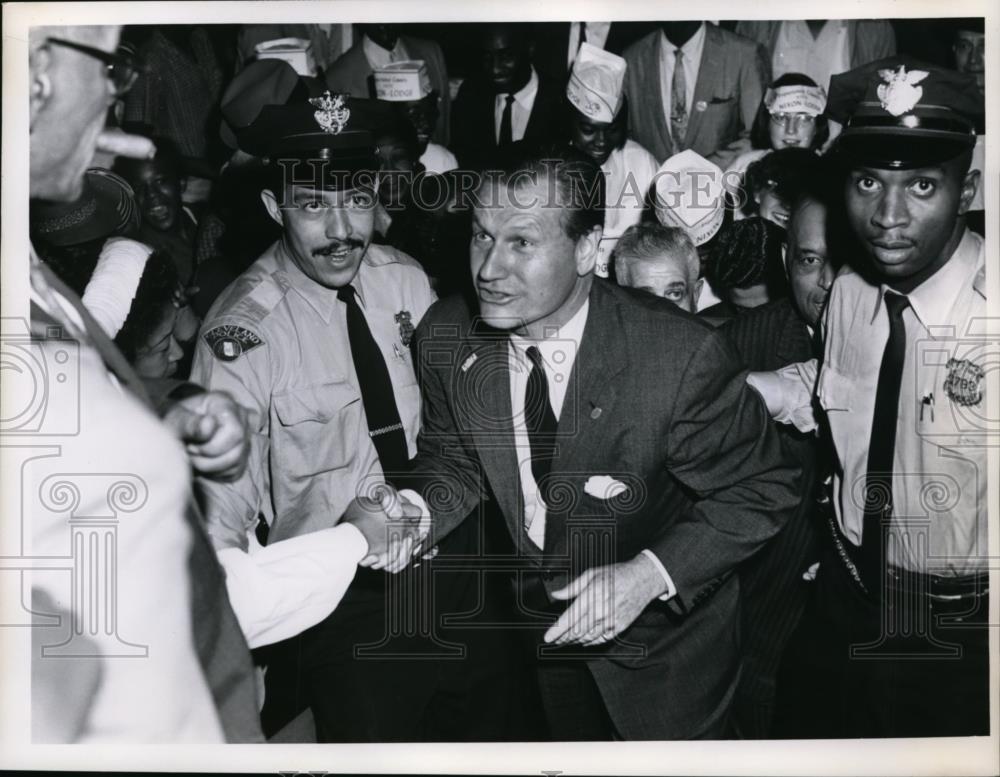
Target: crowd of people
[{"x": 585, "y": 397}]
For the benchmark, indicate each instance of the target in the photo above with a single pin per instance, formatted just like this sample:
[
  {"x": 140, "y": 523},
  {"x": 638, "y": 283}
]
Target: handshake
[{"x": 394, "y": 526}]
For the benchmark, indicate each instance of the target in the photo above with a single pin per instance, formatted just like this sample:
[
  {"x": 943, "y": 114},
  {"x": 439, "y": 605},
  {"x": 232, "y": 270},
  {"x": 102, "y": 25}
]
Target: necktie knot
[
  {"x": 509, "y": 99},
  {"x": 346, "y": 293},
  {"x": 536, "y": 357},
  {"x": 896, "y": 304}
]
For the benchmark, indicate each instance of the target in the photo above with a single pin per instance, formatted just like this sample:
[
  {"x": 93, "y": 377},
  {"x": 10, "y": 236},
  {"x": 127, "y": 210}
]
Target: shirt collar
[
  {"x": 572, "y": 330},
  {"x": 933, "y": 300},
  {"x": 378, "y": 56},
  {"x": 691, "y": 48},
  {"x": 322, "y": 299}
]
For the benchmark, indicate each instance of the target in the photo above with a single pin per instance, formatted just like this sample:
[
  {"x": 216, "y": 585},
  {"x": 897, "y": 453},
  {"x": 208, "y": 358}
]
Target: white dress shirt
[
  {"x": 597, "y": 35},
  {"x": 691, "y": 57},
  {"x": 379, "y": 57},
  {"x": 520, "y": 111},
  {"x": 558, "y": 356},
  {"x": 797, "y": 51}
]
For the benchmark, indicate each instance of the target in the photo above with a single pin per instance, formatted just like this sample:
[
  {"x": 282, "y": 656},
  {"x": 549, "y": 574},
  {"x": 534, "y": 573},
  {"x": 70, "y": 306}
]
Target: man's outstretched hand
[{"x": 391, "y": 526}]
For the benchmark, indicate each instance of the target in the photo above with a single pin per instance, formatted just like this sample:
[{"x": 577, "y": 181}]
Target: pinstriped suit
[{"x": 774, "y": 594}]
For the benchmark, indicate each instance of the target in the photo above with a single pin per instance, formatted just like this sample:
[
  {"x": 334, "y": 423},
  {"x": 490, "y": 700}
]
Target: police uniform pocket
[{"x": 318, "y": 428}]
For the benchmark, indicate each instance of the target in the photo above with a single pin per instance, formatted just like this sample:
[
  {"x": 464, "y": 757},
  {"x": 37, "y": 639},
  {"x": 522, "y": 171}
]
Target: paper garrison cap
[
  {"x": 690, "y": 195},
  {"x": 595, "y": 83},
  {"x": 402, "y": 81}
]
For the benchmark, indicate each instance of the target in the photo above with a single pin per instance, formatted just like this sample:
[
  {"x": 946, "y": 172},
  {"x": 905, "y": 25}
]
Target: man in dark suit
[
  {"x": 708, "y": 104},
  {"x": 632, "y": 467},
  {"x": 507, "y": 101},
  {"x": 770, "y": 337},
  {"x": 379, "y": 45},
  {"x": 556, "y": 43}
]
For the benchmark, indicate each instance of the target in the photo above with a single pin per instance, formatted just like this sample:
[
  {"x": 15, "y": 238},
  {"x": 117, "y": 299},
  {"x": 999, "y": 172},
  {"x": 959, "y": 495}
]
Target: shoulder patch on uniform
[{"x": 228, "y": 341}]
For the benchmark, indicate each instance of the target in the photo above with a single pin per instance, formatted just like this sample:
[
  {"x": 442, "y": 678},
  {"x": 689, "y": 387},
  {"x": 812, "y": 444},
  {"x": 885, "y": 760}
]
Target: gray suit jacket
[
  {"x": 732, "y": 76},
  {"x": 351, "y": 74},
  {"x": 656, "y": 400}
]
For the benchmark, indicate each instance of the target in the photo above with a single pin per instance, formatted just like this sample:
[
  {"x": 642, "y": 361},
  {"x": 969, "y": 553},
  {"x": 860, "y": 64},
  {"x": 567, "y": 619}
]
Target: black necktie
[
  {"x": 506, "y": 123},
  {"x": 881, "y": 447},
  {"x": 583, "y": 35},
  {"x": 384, "y": 425},
  {"x": 539, "y": 420}
]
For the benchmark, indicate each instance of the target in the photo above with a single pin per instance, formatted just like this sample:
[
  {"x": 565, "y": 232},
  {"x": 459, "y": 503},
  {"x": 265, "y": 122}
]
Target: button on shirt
[
  {"x": 520, "y": 109},
  {"x": 310, "y": 449},
  {"x": 558, "y": 356},
  {"x": 691, "y": 56},
  {"x": 940, "y": 465}
]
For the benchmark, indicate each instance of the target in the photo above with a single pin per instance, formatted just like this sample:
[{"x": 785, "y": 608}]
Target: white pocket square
[{"x": 604, "y": 487}]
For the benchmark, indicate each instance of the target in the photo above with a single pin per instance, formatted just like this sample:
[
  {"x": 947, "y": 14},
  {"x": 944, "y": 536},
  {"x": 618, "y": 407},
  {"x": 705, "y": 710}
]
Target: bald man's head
[{"x": 69, "y": 95}]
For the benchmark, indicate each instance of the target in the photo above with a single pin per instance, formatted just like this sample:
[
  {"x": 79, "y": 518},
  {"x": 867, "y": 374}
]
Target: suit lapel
[
  {"x": 705, "y": 87},
  {"x": 484, "y": 383},
  {"x": 590, "y": 402},
  {"x": 655, "y": 116}
]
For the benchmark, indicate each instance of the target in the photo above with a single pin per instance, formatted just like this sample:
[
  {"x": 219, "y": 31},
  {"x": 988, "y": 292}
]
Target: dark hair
[
  {"x": 760, "y": 133},
  {"x": 786, "y": 172},
  {"x": 155, "y": 291},
  {"x": 747, "y": 253},
  {"x": 578, "y": 182},
  {"x": 167, "y": 156}
]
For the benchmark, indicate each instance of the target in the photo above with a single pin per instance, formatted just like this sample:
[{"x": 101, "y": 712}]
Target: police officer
[
  {"x": 899, "y": 627},
  {"x": 314, "y": 339}
]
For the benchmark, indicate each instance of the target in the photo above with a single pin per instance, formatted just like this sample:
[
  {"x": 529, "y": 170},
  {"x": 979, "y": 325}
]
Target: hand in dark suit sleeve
[
  {"x": 445, "y": 472},
  {"x": 722, "y": 446}
]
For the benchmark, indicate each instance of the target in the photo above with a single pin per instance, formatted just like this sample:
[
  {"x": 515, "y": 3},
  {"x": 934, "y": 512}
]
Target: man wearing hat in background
[
  {"x": 898, "y": 643},
  {"x": 314, "y": 340},
  {"x": 408, "y": 85},
  {"x": 598, "y": 128}
]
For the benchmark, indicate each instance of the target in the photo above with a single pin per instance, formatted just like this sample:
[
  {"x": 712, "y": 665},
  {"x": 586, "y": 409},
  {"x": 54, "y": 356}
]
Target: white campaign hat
[
  {"x": 690, "y": 195},
  {"x": 402, "y": 81},
  {"x": 595, "y": 83}
]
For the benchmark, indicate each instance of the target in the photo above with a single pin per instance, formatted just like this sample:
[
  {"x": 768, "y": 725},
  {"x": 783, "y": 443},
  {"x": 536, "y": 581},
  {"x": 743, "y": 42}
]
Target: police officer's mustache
[{"x": 340, "y": 246}]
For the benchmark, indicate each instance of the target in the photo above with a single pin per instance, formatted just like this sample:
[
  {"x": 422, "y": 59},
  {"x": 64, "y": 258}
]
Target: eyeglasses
[
  {"x": 123, "y": 67},
  {"x": 793, "y": 119}
]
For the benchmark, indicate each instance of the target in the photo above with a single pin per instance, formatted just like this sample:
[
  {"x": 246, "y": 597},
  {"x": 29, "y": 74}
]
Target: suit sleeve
[
  {"x": 754, "y": 76},
  {"x": 445, "y": 472},
  {"x": 722, "y": 447}
]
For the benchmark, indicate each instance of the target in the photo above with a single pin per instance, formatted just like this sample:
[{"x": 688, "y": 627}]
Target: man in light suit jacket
[
  {"x": 724, "y": 77},
  {"x": 380, "y": 44},
  {"x": 633, "y": 469}
]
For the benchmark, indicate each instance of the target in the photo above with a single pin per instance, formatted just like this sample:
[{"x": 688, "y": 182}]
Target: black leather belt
[{"x": 939, "y": 586}]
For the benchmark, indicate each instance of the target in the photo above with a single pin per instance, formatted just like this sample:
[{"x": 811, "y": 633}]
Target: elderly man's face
[
  {"x": 326, "y": 232},
  {"x": 667, "y": 277},
  {"x": 908, "y": 219},
  {"x": 810, "y": 270},
  {"x": 70, "y": 97},
  {"x": 528, "y": 273}
]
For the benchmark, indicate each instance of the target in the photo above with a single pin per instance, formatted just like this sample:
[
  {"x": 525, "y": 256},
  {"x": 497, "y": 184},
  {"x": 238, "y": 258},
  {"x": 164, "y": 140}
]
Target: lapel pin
[
  {"x": 469, "y": 362},
  {"x": 701, "y": 106},
  {"x": 595, "y": 413}
]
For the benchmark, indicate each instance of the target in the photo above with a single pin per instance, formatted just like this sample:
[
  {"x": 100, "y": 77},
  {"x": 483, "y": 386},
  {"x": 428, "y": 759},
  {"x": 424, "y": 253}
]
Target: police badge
[
  {"x": 333, "y": 114},
  {"x": 405, "y": 326},
  {"x": 964, "y": 382},
  {"x": 228, "y": 342}
]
